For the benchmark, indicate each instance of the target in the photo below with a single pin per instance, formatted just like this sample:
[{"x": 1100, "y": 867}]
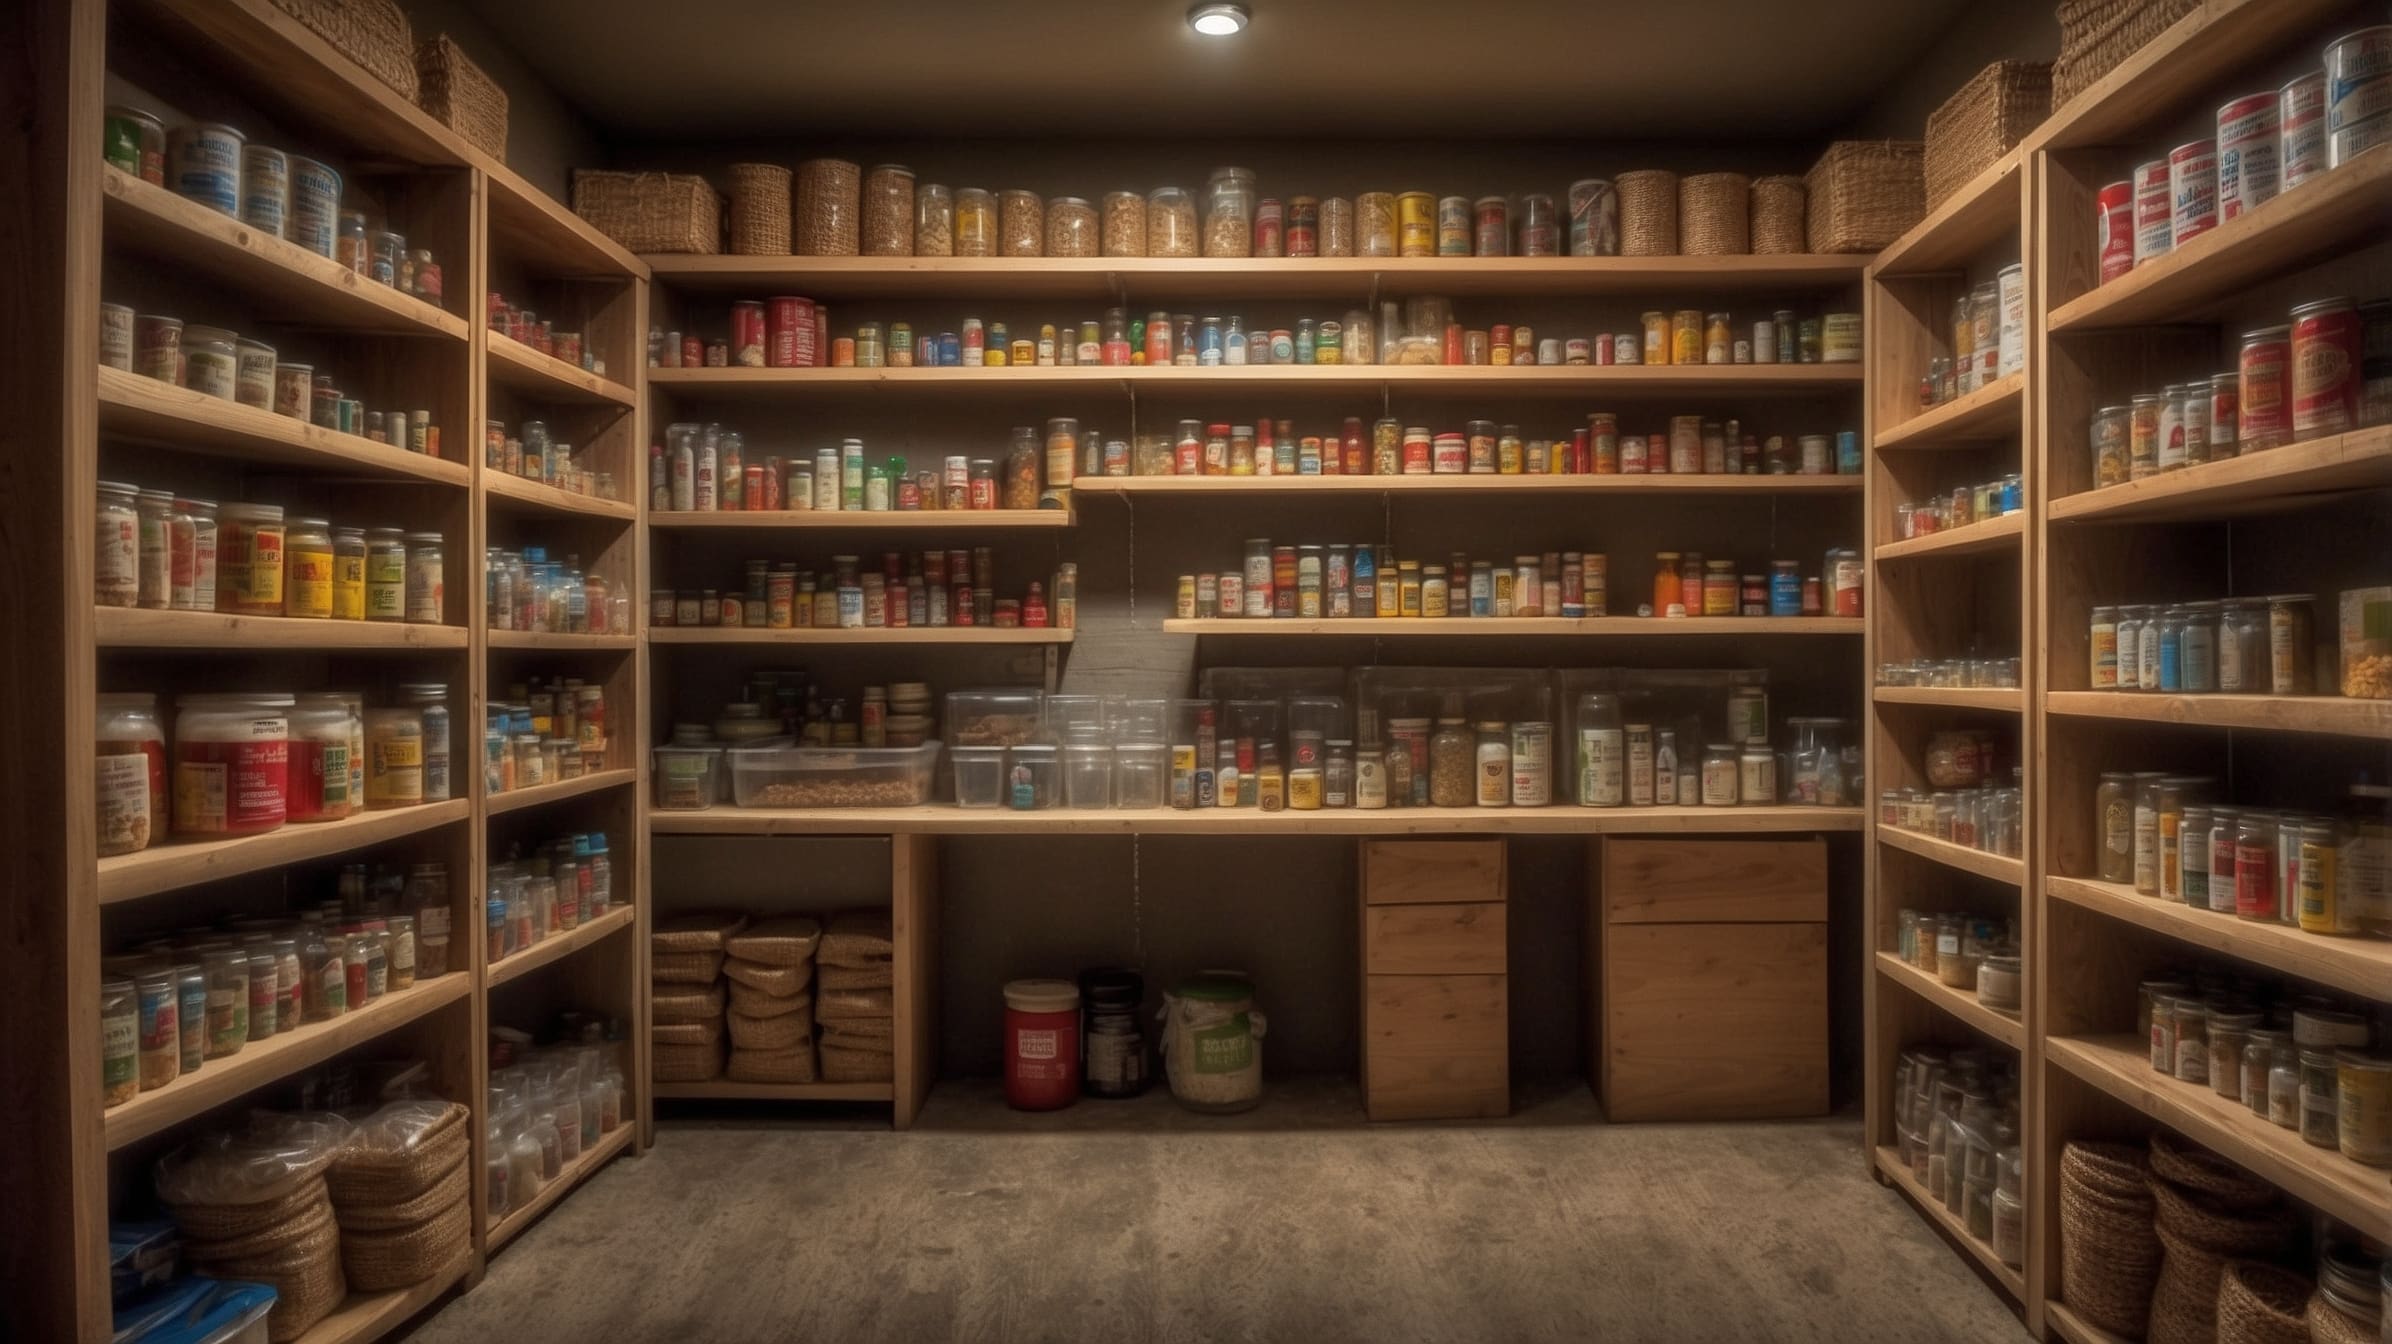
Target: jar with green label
[{"x": 1212, "y": 1043}]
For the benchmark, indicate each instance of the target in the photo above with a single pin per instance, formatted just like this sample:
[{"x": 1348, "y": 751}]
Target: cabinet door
[
  {"x": 1397, "y": 872},
  {"x": 1714, "y": 1021},
  {"x": 1433, "y": 939},
  {"x": 1707, "y": 878},
  {"x": 1436, "y": 1047}
]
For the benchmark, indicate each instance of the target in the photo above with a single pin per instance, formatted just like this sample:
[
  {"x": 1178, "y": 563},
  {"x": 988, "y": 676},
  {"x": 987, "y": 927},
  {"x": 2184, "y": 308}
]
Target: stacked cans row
[
  {"x": 224, "y": 364},
  {"x": 932, "y": 588}
]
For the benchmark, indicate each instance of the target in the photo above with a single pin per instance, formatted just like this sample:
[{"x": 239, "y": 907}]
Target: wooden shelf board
[
  {"x": 580, "y": 1169},
  {"x": 1992, "y": 1022},
  {"x": 557, "y": 947},
  {"x": 539, "y": 234},
  {"x": 1535, "y": 380},
  {"x": 2076, "y": 1329},
  {"x": 365, "y": 1317},
  {"x": 1994, "y": 699},
  {"x": 2142, "y": 94},
  {"x": 277, "y": 1057},
  {"x": 2120, "y": 1066},
  {"x": 150, "y": 411},
  {"x": 514, "y": 494},
  {"x": 287, "y": 282},
  {"x": 2336, "y": 212},
  {"x": 171, "y": 865},
  {"x": 825, "y": 634},
  {"x": 549, "y": 642},
  {"x": 541, "y": 795},
  {"x": 722, "y": 1089},
  {"x": 1514, "y": 627},
  {"x": 858, "y": 520},
  {"x": 838, "y": 279},
  {"x": 1889, "y": 1161},
  {"x": 2359, "y": 966},
  {"x": 131, "y": 628},
  {"x": 1993, "y": 867},
  {"x": 2265, "y": 482},
  {"x": 2004, "y": 533},
  {"x": 1991, "y": 412},
  {"x": 943, "y": 819},
  {"x": 1981, "y": 213},
  {"x": 2324, "y": 715},
  {"x": 1239, "y": 487},
  {"x": 547, "y": 378}
]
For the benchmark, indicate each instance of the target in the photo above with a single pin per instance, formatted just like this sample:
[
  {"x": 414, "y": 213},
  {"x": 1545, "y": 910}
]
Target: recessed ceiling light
[{"x": 1218, "y": 20}]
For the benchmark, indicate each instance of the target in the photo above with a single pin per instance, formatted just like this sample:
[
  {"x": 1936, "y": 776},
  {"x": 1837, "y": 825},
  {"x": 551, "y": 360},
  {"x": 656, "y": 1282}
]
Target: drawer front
[
  {"x": 1403, "y": 872},
  {"x": 1436, "y": 1046},
  {"x": 1714, "y": 1021},
  {"x": 1711, "y": 880},
  {"x": 1433, "y": 939}
]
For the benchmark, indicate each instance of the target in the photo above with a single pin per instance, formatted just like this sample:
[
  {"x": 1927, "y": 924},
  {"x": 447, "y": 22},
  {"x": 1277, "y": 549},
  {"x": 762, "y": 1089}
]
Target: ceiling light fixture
[{"x": 1218, "y": 20}]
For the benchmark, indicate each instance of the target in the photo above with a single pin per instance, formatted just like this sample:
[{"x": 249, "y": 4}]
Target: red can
[
  {"x": 1303, "y": 226},
  {"x": 2248, "y": 176},
  {"x": 1270, "y": 233},
  {"x": 1042, "y": 1044},
  {"x": 2325, "y": 369},
  {"x": 693, "y": 351},
  {"x": 753, "y": 477},
  {"x": 2117, "y": 220},
  {"x": 2154, "y": 234},
  {"x": 2192, "y": 190},
  {"x": 789, "y": 334},
  {"x": 2266, "y": 367}
]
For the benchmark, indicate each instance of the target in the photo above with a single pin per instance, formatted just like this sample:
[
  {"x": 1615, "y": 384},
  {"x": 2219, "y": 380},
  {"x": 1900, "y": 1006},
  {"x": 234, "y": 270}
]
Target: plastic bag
[
  {"x": 264, "y": 1162},
  {"x": 399, "y": 1126}
]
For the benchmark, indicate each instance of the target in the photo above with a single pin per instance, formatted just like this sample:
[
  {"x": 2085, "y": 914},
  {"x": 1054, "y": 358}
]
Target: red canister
[
  {"x": 2154, "y": 234},
  {"x": 1042, "y": 1044},
  {"x": 2117, "y": 220},
  {"x": 2325, "y": 369},
  {"x": 2248, "y": 176},
  {"x": 2192, "y": 190},
  {"x": 2266, "y": 367},
  {"x": 789, "y": 334}
]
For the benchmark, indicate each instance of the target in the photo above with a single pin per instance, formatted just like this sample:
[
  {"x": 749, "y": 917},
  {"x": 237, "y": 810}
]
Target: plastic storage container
[
  {"x": 993, "y": 718},
  {"x": 688, "y": 778},
  {"x": 778, "y": 773},
  {"x": 979, "y": 776}
]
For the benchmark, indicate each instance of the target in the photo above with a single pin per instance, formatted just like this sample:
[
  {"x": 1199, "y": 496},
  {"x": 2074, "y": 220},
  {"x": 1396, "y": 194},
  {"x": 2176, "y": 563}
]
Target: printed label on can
[
  {"x": 2301, "y": 129},
  {"x": 205, "y": 165},
  {"x": 2153, "y": 211},
  {"x": 2192, "y": 191},
  {"x": 265, "y": 189},
  {"x": 2247, "y": 164}
]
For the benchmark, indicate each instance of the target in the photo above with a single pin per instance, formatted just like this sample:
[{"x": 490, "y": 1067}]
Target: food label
[
  {"x": 1602, "y": 757},
  {"x": 1228, "y": 1048},
  {"x": 123, "y": 786},
  {"x": 309, "y": 575}
]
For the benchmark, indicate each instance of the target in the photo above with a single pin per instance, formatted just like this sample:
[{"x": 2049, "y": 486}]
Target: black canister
[{"x": 1112, "y": 1047}]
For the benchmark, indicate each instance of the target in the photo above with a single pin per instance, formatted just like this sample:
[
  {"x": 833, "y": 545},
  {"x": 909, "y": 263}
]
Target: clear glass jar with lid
[
  {"x": 1229, "y": 213},
  {"x": 1719, "y": 787},
  {"x": 1452, "y": 752},
  {"x": 427, "y": 587},
  {"x": 2242, "y": 647},
  {"x": 385, "y": 574},
  {"x": 211, "y": 361},
  {"x": 1599, "y": 755},
  {"x": 1071, "y": 227},
  {"x": 1171, "y": 223},
  {"x": 430, "y": 699},
  {"x": 975, "y": 223},
  {"x": 116, "y": 574},
  {"x": 887, "y": 215},
  {"x": 1021, "y": 223},
  {"x": 2197, "y": 648},
  {"x": 934, "y": 221},
  {"x": 394, "y": 767},
  {"x": 2171, "y": 649},
  {"x": 130, "y": 772}
]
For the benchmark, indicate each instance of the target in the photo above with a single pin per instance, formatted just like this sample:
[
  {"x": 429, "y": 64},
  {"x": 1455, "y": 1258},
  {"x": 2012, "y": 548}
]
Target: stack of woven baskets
[
  {"x": 1708, "y": 214},
  {"x": 402, "y": 1194},
  {"x": 686, "y": 995},
  {"x": 770, "y": 967},
  {"x": 855, "y": 998},
  {"x": 2096, "y": 35},
  {"x": 2208, "y": 1214},
  {"x": 2109, "y": 1258},
  {"x": 254, "y": 1206}
]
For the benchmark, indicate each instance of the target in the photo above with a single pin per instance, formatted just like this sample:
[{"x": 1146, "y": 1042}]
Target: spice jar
[
  {"x": 1071, "y": 228},
  {"x": 2291, "y": 644},
  {"x": 2363, "y": 1088},
  {"x": 427, "y": 592},
  {"x": 1021, "y": 223},
  {"x": 394, "y": 765},
  {"x": 129, "y": 772},
  {"x": 887, "y": 228},
  {"x": 116, "y": 573},
  {"x": 120, "y": 1042},
  {"x": 307, "y": 569},
  {"x": 385, "y": 574},
  {"x": 430, "y": 700},
  {"x": 975, "y": 223},
  {"x": 227, "y": 971},
  {"x": 2320, "y": 1096},
  {"x": 2113, "y": 808}
]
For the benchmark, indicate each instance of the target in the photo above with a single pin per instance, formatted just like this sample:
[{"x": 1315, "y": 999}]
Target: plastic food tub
[
  {"x": 979, "y": 776},
  {"x": 778, "y": 773},
  {"x": 993, "y": 718},
  {"x": 688, "y": 779}
]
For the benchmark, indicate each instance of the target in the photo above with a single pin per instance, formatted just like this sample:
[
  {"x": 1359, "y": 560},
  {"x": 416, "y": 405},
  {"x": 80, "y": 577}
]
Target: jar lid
[
  {"x": 1042, "y": 996},
  {"x": 1215, "y": 987}
]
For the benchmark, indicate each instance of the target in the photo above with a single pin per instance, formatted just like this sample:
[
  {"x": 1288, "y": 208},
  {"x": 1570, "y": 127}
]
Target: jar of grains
[
  {"x": 1337, "y": 227},
  {"x": 1124, "y": 231},
  {"x": 1021, "y": 224},
  {"x": 975, "y": 229},
  {"x": 1212, "y": 1043},
  {"x": 1071, "y": 229},
  {"x": 934, "y": 221},
  {"x": 1170, "y": 223},
  {"x": 1229, "y": 213},
  {"x": 1374, "y": 224},
  {"x": 827, "y": 207},
  {"x": 887, "y": 227}
]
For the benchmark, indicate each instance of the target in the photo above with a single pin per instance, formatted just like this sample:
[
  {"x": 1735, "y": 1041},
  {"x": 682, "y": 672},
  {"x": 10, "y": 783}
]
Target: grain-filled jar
[
  {"x": 1171, "y": 223},
  {"x": 2291, "y": 643},
  {"x": 394, "y": 758},
  {"x": 249, "y": 559},
  {"x": 211, "y": 362},
  {"x": 1021, "y": 223},
  {"x": 385, "y": 574},
  {"x": 430, "y": 699},
  {"x": 1123, "y": 233},
  {"x": 975, "y": 223},
  {"x": 116, "y": 570},
  {"x": 887, "y": 229},
  {"x": 1071, "y": 227},
  {"x": 120, "y": 1041},
  {"x": 231, "y": 763},
  {"x": 934, "y": 221},
  {"x": 129, "y": 772},
  {"x": 1376, "y": 224},
  {"x": 828, "y": 207},
  {"x": 307, "y": 569},
  {"x": 427, "y": 589},
  {"x": 1042, "y": 1044},
  {"x": 1229, "y": 213},
  {"x": 321, "y": 733}
]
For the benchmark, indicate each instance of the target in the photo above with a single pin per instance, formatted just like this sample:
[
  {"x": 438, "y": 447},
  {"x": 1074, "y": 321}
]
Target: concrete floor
[{"x": 1139, "y": 1222}]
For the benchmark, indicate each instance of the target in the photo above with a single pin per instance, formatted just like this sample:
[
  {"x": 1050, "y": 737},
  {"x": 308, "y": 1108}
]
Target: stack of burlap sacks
[
  {"x": 686, "y": 999},
  {"x": 855, "y": 998},
  {"x": 770, "y": 967}
]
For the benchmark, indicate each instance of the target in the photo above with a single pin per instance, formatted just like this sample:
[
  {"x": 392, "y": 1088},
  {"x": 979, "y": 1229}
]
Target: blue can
[
  {"x": 1848, "y": 452},
  {"x": 1283, "y": 346},
  {"x": 1785, "y": 589},
  {"x": 204, "y": 165},
  {"x": 1366, "y": 581},
  {"x": 1482, "y": 590},
  {"x": 950, "y": 350},
  {"x": 2013, "y": 494},
  {"x": 1302, "y": 348},
  {"x": 2171, "y": 657},
  {"x": 1209, "y": 348}
]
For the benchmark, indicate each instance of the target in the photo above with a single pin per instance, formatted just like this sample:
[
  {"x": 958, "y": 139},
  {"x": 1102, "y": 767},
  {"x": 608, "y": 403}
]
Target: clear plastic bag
[{"x": 277, "y": 1151}]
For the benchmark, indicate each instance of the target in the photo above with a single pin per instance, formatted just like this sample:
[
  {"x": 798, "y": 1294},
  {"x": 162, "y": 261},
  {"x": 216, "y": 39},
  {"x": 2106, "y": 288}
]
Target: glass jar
[
  {"x": 116, "y": 574},
  {"x": 1954, "y": 965},
  {"x": 1719, "y": 779},
  {"x": 430, "y": 700},
  {"x": 427, "y": 592},
  {"x": 1021, "y": 223},
  {"x": 2146, "y": 832},
  {"x": 2363, "y": 1086},
  {"x": 394, "y": 764},
  {"x": 1071, "y": 228},
  {"x": 211, "y": 362},
  {"x": 1599, "y": 753},
  {"x": 2243, "y": 662},
  {"x": 2197, "y": 656},
  {"x": 2256, "y": 896},
  {"x": 975, "y": 223},
  {"x": 130, "y": 774},
  {"x": 2291, "y": 644},
  {"x": 1494, "y": 757},
  {"x": 120, "y": 1041},
  {"x": 2259, "y": 1048},
  {"x": 1229, "y": 213},
  {"x": 2230, "y": 1029},
  {"x": 1025, "y": 466},
  {"x": 250, "y": 559},
  {"x": 1171, "y": 223},
  {"x": 934, "y": 221},
  {"x": 887, "y": 228},
  {"x": 385, "y": 574},
  {"x": 227, "y": 971},
  {"x": 1756, "y": 776},
  {"x": 2321, "y": 1098},
  {"x": 1451, "y": 764}
]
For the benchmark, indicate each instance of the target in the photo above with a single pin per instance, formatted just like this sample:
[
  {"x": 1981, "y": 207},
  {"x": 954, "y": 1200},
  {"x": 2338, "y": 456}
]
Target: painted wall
[
  {"x": 546, "y": 136},
  {"x": 1985, "y": 32}
]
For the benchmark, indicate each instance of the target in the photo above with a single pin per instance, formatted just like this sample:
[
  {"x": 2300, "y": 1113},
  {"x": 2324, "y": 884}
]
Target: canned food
[
  {"x": 2192, "y": 190},
  {"x": 2115, "y": 213},
  {"x": 2248, "y": 175},
  {"x": 1840, "y": 338},
  {"x": 792, "y": 329},
  {"x": 2112, "y": 435},
  {"x": 2358, "y": 77},
  {"x": 2324, "y": 368},
  {"x": 116, "y": 337},
  {"x": 204, "y": 165},
  {"x": 1416, "y": 224},
  {"x": 2265, "y": 390},
  {"x": 136, "y": 142},
  {"x": 2301, "y": 129},
  {"x": 265, "y": 189},
  {"x": 2154, "y": 211},
  {"x": 313, "y": 219}
]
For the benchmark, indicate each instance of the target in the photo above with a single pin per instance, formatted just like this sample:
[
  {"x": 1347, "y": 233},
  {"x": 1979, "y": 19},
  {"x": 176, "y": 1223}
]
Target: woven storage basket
[
  {"x": 2208, "y": 1223},
  {"x": 685, "y": 1063},
  {"x": 305, "y": 1274},
  {"x": 685, "y": 968},
  {"x": 1863, "y": 194},
  {"x": 2095, "y": 35},
  {"x": 773, "y": 1066},
  {"x": 460, "y": 96},
  {"x": 224, "y": 1222},
  {"x": 651, "y": 212},
  {"x": 371, "y": 1176},
  {"x": 786, "y": 940},
  {"x": 779, "y": 981},
  {"x": 2118, "y": 1169},
  {"x": 782, "y": 1031},
  {"x": 757, "y": 1003},
  {"x": 856, "y": 1066},
  {"x": 687, "y": 1033},
  {"x": 1648, "y": 213},
  {"x": 837, "y": 1003},
  {"x": 759, "y": 210},
  {"x": 1715, "y": 215},
  {"x": 2198, "y": 1235},
  {"x": 377, "y": 1262},
  {"x": 695, "y": 932},
  {"x": 856, "y": 938},
  {"x": 451, "y": 1186},
  {"x": 290, "y": 1236},
  {"x": 1777, "y": 216},
  {"x": 676, "y": 1003},
  {"x": 373, "y": 33},
  {"x": 2188, "y": 1167},
  {"x": 2109, "y": 1255},
  {"x": 883, "y": 976},
  {"x": 2261, "y": 1304},
  {"x": 1984, "y": 120},
  {"x": 2327, "y": 1324}
]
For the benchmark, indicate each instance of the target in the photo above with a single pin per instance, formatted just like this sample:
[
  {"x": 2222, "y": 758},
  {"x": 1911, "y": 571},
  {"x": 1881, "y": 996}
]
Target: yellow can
[
  {"x": 307, "y": 569},
  {"x": 1656, "y": 338},
  {"x": 2320, "y": 910},
  {"x": 1686, "y": 337},
  {"x": 1304, "y": 789},
  {"x": 348, "y": 574},
  {"x": 1416, "y": 224}
]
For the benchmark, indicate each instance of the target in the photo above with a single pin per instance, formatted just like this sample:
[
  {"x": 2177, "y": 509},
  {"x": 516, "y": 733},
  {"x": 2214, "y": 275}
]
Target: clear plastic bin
[
  {"x": 979, "y": 776},
  {"x": 1087, "y": 774},
  {"x": 1075, "y": 718},
  {"x": 1141, "y": 774},
  {"x": 1033, "y": 777},
  {"x": 778, "y": 773},
  {"x": 688, "y": 779},
  {"x": 993, "y": 718},
  {"x": 1140, "y": 720}
]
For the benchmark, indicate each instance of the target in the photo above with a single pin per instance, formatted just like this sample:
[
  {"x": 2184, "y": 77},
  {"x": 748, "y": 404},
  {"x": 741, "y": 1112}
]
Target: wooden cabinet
[
  {"x": 1711, "y": 979},
  {"x": 1436, "y": 1020}
]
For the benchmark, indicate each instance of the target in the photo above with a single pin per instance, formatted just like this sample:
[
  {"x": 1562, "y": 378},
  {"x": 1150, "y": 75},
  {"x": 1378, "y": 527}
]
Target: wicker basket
[
  {"x": 695, "y": 932},
  {"x": 778, "y": 981},
  {"x": 1986, "y": 119},
  {"x": 678, "y": 1003},
  {"x": 757, "y": 1003},
  {"x": 1863, "y": 194},
  {"x": 225, "y": 1222},
  {"x": 2327, "y": 1324},
  {"x": 2188, "y": 1167},
  {"x": 2198, "y": 1235},
  {"x": 651, "y": 212},
  {"x": 2261, "y": 1304},
  {"x": 2121, "y": 1170},
  {"x": 461, "y": 97},
  {"x": 1648, "y": 213},
  {"x": 1777, "y": 204},
  {"x": 685, "y": 1063},
  {"x": 373, "y": 33},
  {"x": 290, "y": 1237},
  {"x": 453, "y": 1185},
  {"x": 781, "y": 1031},
  {"x": 365, "y": 1177},
  {"x": 759, "y": 210},
  {"x": 857, "y": 1066},
  {"x": 2096, "y": 35},
  {"x": 786, "y": 940},
  {"x": 794, "y": 1065},
  {"x": 303, "y": 1268},
  {"x": 1715, "y": 215},
  {"x": 685, "y": 968},
  {"x": 2109, "y": 1255},
  {"x": 377, "y": 1262}
]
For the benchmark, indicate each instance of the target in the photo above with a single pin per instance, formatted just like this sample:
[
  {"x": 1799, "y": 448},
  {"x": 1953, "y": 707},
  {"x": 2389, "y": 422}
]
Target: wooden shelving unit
[
  {"x": 514, "y": 494},
  {"x": 1994, "y": 534},
  {"x": 1243, "y": 487},
  {"x": 1992, "y": 867},
  {"x": 2326, "y": 715},
  {"x": 722, "y": 1089},
  {"x": 959, "y": 635},
  {"x": 733, "y": 384},
  {"x": 1512, "y": 627},
  {"x": 1996, "y": 699},
  {"x": 551, "y": 379},
  {"x": 580, "y": 1169},
  {"x": 541, "y": 795},
  {"x": 131, "y": 628},
  {"x": 848, "y": 520},
  {"x": 146, "y": 410},
  {"x": 2361, "y": 966},
  {"x": 937, "y": 819},
  {"x": 1992, "y": 1022},
  {"x": 1889, "y": 1165},
  {"x": 172, "y": 865},
  {"x": 2275, "y": 481},
  {"x": 1989, "y": 414}
]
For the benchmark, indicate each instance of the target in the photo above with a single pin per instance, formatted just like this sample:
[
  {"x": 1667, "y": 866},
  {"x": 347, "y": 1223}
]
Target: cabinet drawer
[
  {"x": 1436, "y": 1046},
  {"x": 1714, "y": 1021},
  {"x": 1712, "y": 880},
  {"x": 1403, "y": 872},
  {"x": 1433, "y": 939}
]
